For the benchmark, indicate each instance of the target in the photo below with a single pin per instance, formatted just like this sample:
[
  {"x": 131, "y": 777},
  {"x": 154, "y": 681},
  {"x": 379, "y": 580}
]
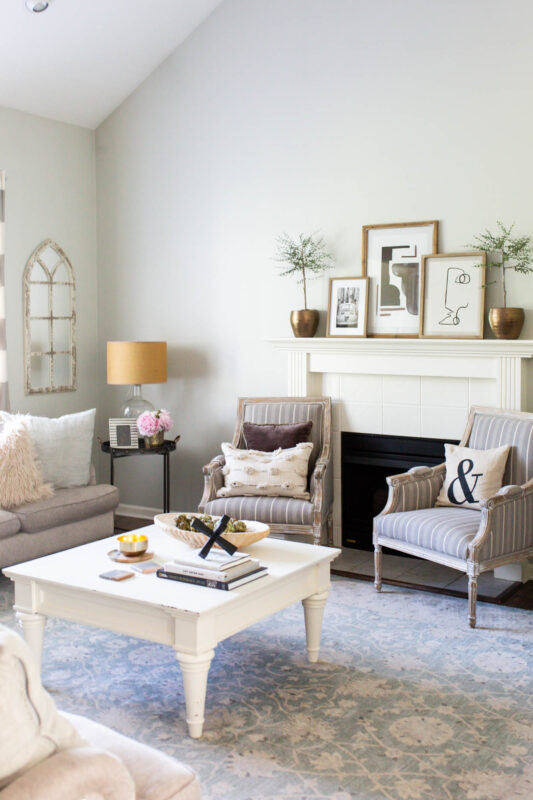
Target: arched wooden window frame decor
[{"x": 44, "y": 268}]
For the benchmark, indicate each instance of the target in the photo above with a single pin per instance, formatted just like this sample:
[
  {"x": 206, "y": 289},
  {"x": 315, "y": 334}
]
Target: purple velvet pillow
[{"x": 270, "y": 437}]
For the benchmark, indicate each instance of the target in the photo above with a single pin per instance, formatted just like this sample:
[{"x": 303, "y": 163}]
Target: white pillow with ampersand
[{"x": 472, "y": 475}]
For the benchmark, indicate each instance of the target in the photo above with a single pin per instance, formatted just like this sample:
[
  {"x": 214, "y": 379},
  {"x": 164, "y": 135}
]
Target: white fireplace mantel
[
  {"x": 408, "y": 387},
  {"x": 501, "y": 361}
]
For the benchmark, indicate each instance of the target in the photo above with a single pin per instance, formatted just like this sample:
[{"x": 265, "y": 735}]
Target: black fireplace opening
[{"x": 367, "y": 459}]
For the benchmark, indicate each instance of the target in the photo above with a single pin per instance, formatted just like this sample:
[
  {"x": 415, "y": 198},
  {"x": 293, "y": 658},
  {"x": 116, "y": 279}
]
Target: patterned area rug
[{"x": 407, "y": 703}]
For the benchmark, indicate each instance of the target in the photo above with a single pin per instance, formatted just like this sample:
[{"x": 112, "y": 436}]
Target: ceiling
[{"x": 80, "y": 59}]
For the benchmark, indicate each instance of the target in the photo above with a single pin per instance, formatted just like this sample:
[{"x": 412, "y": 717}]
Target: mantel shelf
[
  {"x": 498, "y": 360},
  {"x": 490, "y": 348}
]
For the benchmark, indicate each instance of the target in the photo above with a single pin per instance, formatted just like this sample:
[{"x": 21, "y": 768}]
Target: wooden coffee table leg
[
  {"x": 313, "y": 612},
  {"x": 194, "y": 670},
  {"x": 33, "y": 631}
]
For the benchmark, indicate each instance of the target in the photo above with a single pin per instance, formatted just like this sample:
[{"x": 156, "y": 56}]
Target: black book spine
[{"x": 173, "y": 576}]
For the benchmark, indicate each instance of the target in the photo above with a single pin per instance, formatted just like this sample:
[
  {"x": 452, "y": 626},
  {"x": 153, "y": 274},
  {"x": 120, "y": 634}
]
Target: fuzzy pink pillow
[{"x": 21, "y": 480}]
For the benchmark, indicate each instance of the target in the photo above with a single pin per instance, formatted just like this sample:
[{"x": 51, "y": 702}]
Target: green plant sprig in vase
[
  {"x": 505, "y": 252},
  {"x": 306, "y": 258}
]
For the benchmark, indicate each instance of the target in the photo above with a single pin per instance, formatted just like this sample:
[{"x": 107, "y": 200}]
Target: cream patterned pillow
[
  {"x": 472, "y": 475},
  {"x": 281, "y": 473}
]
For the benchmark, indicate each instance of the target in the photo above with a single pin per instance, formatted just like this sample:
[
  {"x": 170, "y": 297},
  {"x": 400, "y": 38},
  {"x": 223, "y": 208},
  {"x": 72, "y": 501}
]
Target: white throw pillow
[
  {"x": 31, "y": 728},
  {"x": 63, "y": 445},
  {"x": 280, "y": 473},
  {"x": 472, "y": 475}
]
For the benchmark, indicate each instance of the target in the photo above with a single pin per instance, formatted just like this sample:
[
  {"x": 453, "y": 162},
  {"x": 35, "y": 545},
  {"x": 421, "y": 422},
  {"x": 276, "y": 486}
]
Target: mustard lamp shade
[{"x": 136, "y": 362}]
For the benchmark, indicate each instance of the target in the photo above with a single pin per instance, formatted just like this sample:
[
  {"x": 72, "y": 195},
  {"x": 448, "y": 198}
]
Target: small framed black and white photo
[
  {"x": 453, "y": 295},
  {"x": 123, "y": 433},
  {"x": 347, "y": 307}
]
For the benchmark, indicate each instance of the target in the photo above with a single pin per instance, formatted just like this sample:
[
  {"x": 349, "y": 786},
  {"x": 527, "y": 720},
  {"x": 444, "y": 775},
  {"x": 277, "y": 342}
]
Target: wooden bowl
[{"x": 253, "y": 533}]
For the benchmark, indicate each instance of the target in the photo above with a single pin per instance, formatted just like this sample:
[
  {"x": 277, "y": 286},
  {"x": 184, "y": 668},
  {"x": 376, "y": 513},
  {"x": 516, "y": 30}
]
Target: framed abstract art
[
  {"x": 453, "y": 295},
  {"x": 392, "y": 259},
  {"x": 347, "y": 307}
]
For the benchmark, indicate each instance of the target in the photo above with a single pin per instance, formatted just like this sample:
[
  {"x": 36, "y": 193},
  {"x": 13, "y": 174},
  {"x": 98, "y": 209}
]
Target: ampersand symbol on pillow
[{"x": 464, "y": 468}]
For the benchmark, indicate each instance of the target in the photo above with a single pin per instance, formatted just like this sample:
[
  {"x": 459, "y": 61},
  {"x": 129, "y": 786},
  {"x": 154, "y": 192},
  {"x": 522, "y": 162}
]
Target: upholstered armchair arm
[
  {"x": 80, "y": 773},
  {"x": 418, "y": 488},
  {"x": 213, "y": 480},
  {"x": 321, "y": 486},
  {"x": 506, "y": 524}
]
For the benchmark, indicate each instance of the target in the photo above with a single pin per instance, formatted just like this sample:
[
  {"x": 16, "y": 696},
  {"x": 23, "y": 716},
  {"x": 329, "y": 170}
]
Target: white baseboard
[
  {"x": 143, "y": 512},
  {"x": 518, "y": 571}
]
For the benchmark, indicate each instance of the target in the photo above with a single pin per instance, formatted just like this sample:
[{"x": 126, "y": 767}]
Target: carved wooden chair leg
[
  {"x": 329, "y": 539},
  {"x": 472, "y": 598},
  {"x": 317, "y": 534},
  {"x": 378, "y": 556}
]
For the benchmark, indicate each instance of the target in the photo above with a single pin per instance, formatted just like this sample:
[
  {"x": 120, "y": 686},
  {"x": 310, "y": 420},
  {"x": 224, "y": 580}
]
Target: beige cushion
[
  {"x": 156, "y": 775},
  {"x": 21, "y": 479},
  {"x": 471, "y": 475},
  {"x": 79, "y": 773},
  {"x": 31, "y": 728},
  {"x": 67, "y": 505},
  {"x": 63, "y": 445},
  {"x": 9, "y": 524},
  {"x": 280, "y": 473}
]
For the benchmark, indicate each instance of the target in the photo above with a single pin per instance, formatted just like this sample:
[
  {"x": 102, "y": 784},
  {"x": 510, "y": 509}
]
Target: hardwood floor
[
  {"x": 518, "y": 595},
  {"x": 123, "y": 524}
]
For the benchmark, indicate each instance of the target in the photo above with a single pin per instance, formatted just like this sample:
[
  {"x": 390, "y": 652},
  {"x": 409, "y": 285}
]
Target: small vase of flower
[{"x": 153, "y": 425}]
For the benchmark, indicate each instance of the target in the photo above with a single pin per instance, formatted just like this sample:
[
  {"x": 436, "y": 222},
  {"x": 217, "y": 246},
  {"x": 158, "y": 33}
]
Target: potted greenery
[
  {"x": 305, "y": 257},
  {"x": 505, "y": 252}
]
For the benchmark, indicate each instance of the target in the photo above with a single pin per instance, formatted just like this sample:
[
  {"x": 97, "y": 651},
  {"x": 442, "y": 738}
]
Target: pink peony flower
[
  {"x": 147, "y": 423},
  {"x": 165, "y": 420}
]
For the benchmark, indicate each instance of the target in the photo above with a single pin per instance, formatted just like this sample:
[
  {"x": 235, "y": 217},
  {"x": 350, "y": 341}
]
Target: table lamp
[{"x": 136, "y": 363}]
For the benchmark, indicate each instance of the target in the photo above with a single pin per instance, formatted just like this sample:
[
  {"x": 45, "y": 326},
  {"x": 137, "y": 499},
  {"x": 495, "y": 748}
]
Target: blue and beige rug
[{"x": 407, "y": 703}]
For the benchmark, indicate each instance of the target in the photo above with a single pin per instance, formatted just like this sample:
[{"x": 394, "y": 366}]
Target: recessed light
[{"x": 37, "y": 5}]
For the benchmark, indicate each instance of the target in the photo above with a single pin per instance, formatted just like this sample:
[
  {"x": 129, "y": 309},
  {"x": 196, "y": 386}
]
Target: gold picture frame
[
  {"x": 347, "y": 304},
  {"x": 395, "y": 288},
  {"x": 453, "y": 295}
]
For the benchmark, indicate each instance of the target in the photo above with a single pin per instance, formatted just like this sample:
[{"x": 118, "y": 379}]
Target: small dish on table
[
  {"x": 132, "y": 544},
  {"x": 132, "y": 547}
]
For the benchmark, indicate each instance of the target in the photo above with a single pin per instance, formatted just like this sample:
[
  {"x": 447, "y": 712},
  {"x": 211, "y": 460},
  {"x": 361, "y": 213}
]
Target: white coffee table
[{"x": 191, "y": 619}]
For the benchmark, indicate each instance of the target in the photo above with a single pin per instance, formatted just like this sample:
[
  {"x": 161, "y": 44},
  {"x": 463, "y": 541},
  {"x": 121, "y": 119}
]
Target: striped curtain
[{"x": 4, "y": 395}]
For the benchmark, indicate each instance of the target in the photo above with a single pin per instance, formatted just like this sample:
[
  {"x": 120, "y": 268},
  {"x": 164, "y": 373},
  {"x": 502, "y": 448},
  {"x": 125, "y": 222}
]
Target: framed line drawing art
[
  {"x": 453, "y": 295},
  {"x": 347, "y": 307},
  {"x": 392, "y": 259}
]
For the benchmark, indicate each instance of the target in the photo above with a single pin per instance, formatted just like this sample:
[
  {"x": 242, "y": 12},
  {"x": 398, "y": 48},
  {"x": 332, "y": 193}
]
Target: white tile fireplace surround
[{"x": 407, "y": 387}]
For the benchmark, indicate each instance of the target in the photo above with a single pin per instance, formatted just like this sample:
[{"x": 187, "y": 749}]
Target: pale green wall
[
  {"x": 295, "y": 115},
  {"x": 50, "y": 193}
]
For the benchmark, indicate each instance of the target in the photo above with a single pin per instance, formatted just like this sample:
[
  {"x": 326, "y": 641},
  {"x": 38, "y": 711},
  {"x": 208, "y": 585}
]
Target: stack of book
[{"x": 217, "y": 571}]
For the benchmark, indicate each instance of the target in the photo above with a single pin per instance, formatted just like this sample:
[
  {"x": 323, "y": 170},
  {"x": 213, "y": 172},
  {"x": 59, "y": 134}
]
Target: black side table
[{"x": 168, "y": 446}]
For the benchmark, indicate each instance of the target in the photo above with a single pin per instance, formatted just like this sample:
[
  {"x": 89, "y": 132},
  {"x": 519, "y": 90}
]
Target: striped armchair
[
  {"x": 286, "y": 515},
  {"x": 467, "y": 539}
]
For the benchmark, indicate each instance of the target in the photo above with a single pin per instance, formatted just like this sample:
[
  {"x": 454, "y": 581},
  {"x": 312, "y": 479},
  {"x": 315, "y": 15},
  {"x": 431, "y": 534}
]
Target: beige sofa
[
  {"x": 69, "y": 518},
  {"x": 110, "y": 767},
  {"x": 47, "y": 755}
]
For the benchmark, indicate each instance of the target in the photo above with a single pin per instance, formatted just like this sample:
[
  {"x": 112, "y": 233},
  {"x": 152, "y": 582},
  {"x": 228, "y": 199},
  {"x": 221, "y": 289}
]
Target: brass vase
[
  {"x": 154, "y": 441},
  {"x": 304, "y": 322},
  {"x": 506, "y": 323}
]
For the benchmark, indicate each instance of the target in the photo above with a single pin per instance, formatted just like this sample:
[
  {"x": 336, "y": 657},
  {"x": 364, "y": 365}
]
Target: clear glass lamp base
[{"x": 135, "y": 404}]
